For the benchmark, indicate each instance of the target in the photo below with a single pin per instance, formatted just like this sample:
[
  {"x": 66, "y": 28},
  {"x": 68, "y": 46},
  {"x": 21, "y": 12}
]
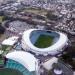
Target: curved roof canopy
[
  {"x": 58, "y": 45},
  {"x": 10, "y": 41},
  {"x": 24, "y": 58}
]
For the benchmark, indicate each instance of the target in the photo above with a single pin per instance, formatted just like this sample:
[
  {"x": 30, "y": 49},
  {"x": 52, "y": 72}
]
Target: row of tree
[
  {"x": 51, "y": 16},
  {"x": 2, "y": 29}
]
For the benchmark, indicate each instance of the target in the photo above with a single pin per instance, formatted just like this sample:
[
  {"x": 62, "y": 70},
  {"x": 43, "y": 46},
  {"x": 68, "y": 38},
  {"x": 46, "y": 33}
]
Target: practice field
[
  {"x": 44, "y": 41},
  {"x": 9, "y": 72}
]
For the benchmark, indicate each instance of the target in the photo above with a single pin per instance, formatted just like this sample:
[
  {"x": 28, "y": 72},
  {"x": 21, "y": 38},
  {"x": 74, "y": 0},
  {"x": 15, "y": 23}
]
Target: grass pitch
[{"x": 44, "y": 41}]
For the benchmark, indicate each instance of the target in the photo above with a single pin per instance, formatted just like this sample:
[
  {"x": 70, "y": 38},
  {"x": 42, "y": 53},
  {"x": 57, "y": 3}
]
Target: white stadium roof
[
  {"x": 26, "y": 59},
  {"x": 10, "y": 41},
  {"x": 52, "y": 49}
]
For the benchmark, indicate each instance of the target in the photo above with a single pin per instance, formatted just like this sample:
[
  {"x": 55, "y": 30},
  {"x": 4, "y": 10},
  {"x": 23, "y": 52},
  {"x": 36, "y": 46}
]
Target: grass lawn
[
  {"x": 9, "y": 72},
  {"x": 44, "y": 41},
  {"x": 5, "y": 47}
]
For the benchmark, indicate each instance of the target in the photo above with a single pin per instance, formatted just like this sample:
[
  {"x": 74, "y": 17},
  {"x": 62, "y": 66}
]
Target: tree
[
  {"x": 2, "y": 29},
  {"x": 52, "y": 16}
]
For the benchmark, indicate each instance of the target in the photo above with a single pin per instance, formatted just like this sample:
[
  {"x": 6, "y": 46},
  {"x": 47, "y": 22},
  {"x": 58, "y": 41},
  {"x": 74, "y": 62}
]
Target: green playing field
[
  {"x": 44, "y": 41},
  {"x": 9, "y": 72}
]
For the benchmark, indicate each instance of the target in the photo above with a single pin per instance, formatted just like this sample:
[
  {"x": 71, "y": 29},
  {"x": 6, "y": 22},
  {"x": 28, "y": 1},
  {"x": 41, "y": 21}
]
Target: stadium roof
[
  {"x": 10, "y": 41},
  {"x": 26, "y": 59},
  {"x": 58, "y": 45}
]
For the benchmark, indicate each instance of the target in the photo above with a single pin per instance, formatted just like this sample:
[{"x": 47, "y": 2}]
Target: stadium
[
  {"x": 43, "y": 42},
  {"x": 34, "y": 42},
  {"x": 19, "y": 63}
]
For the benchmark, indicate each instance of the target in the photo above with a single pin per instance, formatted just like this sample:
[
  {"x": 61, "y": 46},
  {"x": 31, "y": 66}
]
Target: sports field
[
  {"x": 44, "y": 41},
  {"x": 9, "y": 72}
]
